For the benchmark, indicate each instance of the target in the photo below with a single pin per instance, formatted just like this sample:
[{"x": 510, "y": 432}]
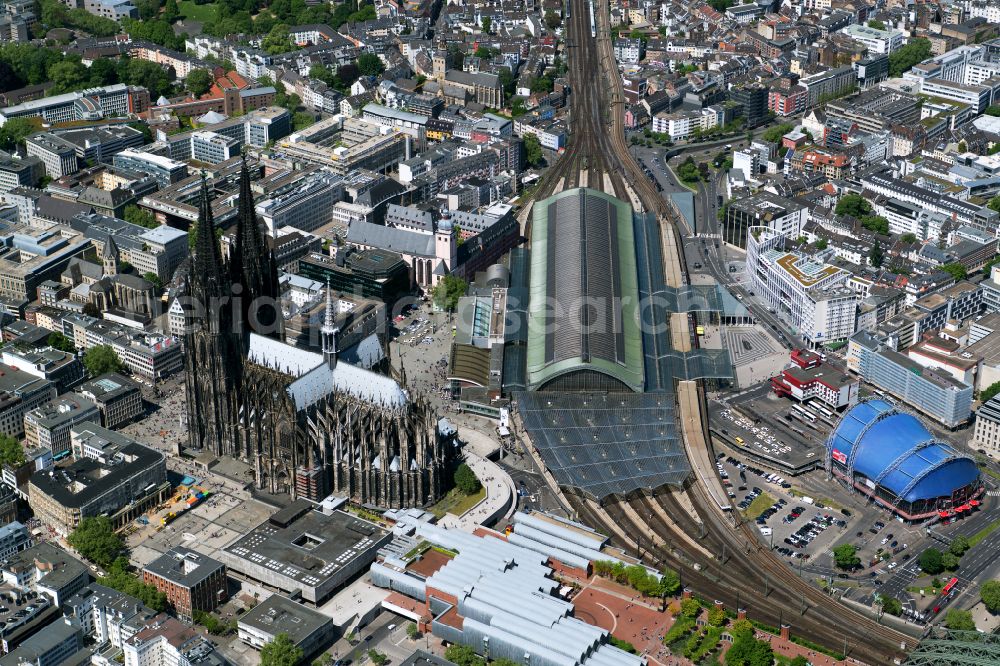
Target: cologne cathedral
[{"x": 307, "y": 424}]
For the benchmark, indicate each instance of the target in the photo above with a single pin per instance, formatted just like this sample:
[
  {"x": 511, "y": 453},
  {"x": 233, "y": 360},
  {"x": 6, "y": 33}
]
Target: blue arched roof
[{"x": 898, "y": 448}]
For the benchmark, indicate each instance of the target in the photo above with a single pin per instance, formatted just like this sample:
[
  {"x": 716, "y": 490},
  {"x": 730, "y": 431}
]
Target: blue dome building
[{"x": 890, "y": 456}]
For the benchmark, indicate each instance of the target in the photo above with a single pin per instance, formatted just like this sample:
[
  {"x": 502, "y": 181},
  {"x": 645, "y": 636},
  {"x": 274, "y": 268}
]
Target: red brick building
[{"x": 190, "y": 580}]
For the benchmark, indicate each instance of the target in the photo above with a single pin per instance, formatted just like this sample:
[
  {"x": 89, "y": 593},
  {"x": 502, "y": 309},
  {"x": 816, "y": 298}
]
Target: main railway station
[{"x": 599, "y": 367}]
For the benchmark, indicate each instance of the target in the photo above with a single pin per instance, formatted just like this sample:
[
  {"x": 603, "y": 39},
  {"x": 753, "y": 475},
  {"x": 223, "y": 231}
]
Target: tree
[
  {"x": 280, "y": 652},
  {"x": 154, "y": 280},
  {"x": 748, "y": 651},
  {"x": 542, "y": 84},
  {"x": 908, "y": 237},
  {"x": 962, "y": 146},
  {"x": 120, "y": 577},
  {"x": 11, "y": 452},
  {"x": 102, "y": 359},
  {"x": 370, "y": 64},
  {"x": 143, "y": 218},
  {"x": 846, "y": 556},
  {"x": 532, "y": 150},
  {"x": 956, "y": 270},
  {"x": 466, "y": 480},
  {"x": 95, "y": 539},
  {"x": 905, "y": 57},
  {"x": 688, "y": 171},
  {"x": 716, "y": 616},
  {"x": 774, "y": 134},
  {"x": 959, "y": 545},
  {"x": 463, "y": 655},
  {"x": 487, "y": 24},
  {"x": 103, "y": 73},
  {"x": 799, "y": 661},
  {"x": 930, "y": 561},
  {"x": 278, "y": 41},
  {"x": 878, "y": 25},
  {"x": 822, "y": 244},
  {"x": 15, "y": 131},
  {"x": 892, "y": 606},
  {"x": 448, "y": 291},
  {"x": 690, "y": 608},
  {"x": 959, "y": 619},
  {"x": 741, "y": 629},
  {"x": 377, "y": 658},
  {"x": 57, "y": 340},
  {"x": 170, "y": 11},
  {"x": 989, "y": 592},
  {"x": 671, "y": 581},
  {"x": 552, "y": 20},
  {"x": 412, "y": 632},
  {"x": 876, "y": 224},
  {"x": 876, "y": 255},
  {"x": 68, "y": 75},
  {"x": 199, "y": 82},
  {"x": 990, "y": 391},
  {"x": 853, "y": 205},
  {"x": 949, "y": 561}
]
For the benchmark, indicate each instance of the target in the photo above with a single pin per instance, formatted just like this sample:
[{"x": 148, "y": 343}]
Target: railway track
[{"x": 743, "y": 573}]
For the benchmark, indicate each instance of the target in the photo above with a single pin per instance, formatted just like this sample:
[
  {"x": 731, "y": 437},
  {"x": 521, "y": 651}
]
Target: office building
[
  {"x": 813, "y": 297},
  {"x": 49, "y": 426},
  {"x": 115, "y": 10},
  {"x": 61, "y": 368},
  {"x": 166, "y": 640},
  {"x": 339, "y": 546},
  {"x": 60, "y": 644},
  {"x": 308, "y": 630},
  {"x": 91, "y": 104},
  {"x": 986, "y": 436},
  {"x": 118, "y": 399},
  {"x": 257, "y": 128},
  {"x": 20, "y": 393},
  {"x": 107, "y": 615},
  {"x": 212, "y": 148},
  {"x": 959, "y": 211},
  {"x": 753, "y": 99},
  {"x": 933, "y": 392},
  {"x": 14, "y": 538},
  {"x": 306, "y": 207},
  {"x": 148, "y": 355},
  {"x": 163, "y": 169},
  {"x": 100, "y": 144},
  {"x": 57, "y": 155},
  {"x": 159, "y": 251},
  {"x": 379, "y": 274},
  {"x": 35, "y": 255},
  {"x": 191, "y": 581},
  {"x": 47, "y": 570},
  {"x": 19, "y": 172},
  {"x": 877, "y": 42},
  {"x": 767, "y": 210},
  {"x": 110, "y": 475}
]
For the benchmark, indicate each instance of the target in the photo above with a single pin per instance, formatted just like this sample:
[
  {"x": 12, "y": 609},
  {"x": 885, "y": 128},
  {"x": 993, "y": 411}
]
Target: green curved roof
[{"x": 584, "y": 296}]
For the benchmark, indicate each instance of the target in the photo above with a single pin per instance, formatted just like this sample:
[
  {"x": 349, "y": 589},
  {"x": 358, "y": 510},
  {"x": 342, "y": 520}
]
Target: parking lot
[
  {"x": 758, "y": 425},
  {"x": 804, "y": 517}
]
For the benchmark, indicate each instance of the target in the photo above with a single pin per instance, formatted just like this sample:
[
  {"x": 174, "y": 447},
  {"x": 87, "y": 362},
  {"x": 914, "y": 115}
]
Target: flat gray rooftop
[
  {"x": 311, "y": 549},
  {"x": 280, "y": 615}
]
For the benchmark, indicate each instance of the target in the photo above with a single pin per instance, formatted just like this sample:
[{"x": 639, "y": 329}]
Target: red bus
[{"x": 949, "y": 587}]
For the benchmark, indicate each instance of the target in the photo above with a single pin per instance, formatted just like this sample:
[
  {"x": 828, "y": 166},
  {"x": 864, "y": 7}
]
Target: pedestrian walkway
[{"x": 501, "y": 496}]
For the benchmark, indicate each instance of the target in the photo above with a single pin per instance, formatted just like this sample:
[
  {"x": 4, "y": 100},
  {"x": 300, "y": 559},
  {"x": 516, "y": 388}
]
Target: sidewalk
[{"x": 501, "y": 496}]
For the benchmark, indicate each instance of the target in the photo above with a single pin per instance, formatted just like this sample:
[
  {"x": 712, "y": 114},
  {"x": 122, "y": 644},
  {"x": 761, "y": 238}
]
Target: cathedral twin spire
[{"x": 251, "y": 266}]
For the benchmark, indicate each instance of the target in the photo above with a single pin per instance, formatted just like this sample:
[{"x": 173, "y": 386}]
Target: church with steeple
[{"x": 308, "y": 423}]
